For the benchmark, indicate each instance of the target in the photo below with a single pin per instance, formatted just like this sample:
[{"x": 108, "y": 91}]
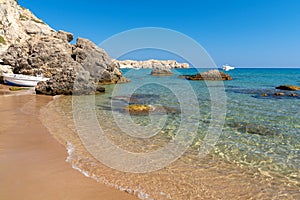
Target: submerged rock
[
  {"x": 265, "y": 93},
  {"x": 252, "y": 128},
  {"x": 139, "y": 109},
  {"x": 211, "y": 75},
  {"x": 143, "y": 109},
  {"x": 18, "y": 88},
  {"x": 288, "y": 87},
  {"x": 279, "y": 94},
  {"x": 138, "y": 98}
]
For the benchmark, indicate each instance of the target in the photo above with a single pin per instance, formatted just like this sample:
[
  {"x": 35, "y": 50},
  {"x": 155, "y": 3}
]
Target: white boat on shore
[
  {"x": 227, "y": 67},
  {"x": 22, "y": 80}
]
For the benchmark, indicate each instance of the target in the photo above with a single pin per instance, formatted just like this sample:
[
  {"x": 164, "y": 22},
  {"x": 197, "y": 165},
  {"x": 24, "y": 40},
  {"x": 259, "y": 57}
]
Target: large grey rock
[
  {"x": 46, "y": 55},
  {"x": 97, "y": 62},
  {"x": 76, "y": 67}
]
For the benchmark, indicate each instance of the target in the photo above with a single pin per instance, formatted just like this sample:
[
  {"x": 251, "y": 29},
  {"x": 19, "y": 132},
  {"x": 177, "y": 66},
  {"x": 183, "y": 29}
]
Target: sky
[{"x": 243, "y": 33}]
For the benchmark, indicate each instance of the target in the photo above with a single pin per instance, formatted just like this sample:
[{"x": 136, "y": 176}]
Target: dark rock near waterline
[
  {"x": 288, "y": 87},
  {"x": 276, "y": 95},
  {"x": 100, "y": 89},
  {"x": 211, "y": 75},
  {"x": 279, "y": 94},
  {"x": 293, "y": 95}
]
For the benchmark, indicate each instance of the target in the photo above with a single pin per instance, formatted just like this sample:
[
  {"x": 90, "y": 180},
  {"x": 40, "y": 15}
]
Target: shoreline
[{"x": 33, "y": 163}]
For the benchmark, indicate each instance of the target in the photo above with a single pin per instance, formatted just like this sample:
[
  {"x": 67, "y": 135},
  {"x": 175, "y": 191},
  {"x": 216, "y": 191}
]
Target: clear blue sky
[{"x": 244, "y": 33}]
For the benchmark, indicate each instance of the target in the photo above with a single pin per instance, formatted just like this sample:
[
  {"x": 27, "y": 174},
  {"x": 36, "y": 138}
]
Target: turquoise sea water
[
  {"x": 263, "y": 132},
  {"x": 256, "y": 155}
]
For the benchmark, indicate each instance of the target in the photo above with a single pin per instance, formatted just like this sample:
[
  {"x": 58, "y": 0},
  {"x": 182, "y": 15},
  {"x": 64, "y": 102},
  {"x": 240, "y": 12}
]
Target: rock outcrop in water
[
  {"x": 288, "y": 87},
  {"x": 141, "y": 109},
  {"x": 211, "y": 75},
  {"x": 161, "y": 71},
  {"x": 31, "y": 47},
  {"x": 149, "y": 64}
]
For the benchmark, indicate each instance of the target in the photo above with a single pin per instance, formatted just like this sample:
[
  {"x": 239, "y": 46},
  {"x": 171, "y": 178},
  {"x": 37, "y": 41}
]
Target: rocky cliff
[
  {"x": 17, "y": 24},
  {"x": 29, "y": 46},
  {"x": 150, "y": 64}
]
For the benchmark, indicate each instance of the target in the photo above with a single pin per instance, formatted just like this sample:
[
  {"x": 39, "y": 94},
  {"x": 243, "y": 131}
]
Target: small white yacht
[{"x": 227, "y": 67}]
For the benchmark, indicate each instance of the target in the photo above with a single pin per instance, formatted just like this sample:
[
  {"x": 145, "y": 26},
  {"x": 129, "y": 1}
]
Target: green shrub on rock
[{"x": 2, "y": 40}]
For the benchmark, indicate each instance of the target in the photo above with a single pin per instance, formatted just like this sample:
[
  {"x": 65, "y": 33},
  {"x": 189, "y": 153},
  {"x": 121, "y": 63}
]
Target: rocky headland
[
  {"x": 29, "y": 46},
  {"x": 148, "y": 64}
]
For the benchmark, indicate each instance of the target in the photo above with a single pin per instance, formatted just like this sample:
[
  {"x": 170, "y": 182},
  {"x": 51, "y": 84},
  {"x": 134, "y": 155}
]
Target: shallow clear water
[{"x": 256, "y": 155}]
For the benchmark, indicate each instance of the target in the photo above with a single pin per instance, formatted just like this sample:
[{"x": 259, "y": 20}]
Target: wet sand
[{"x": 32, "y": 162}]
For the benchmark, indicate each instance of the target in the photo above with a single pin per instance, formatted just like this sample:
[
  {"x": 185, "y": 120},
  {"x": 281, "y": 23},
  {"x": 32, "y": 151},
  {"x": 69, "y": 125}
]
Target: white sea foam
[{"x": 71, "y": 159}]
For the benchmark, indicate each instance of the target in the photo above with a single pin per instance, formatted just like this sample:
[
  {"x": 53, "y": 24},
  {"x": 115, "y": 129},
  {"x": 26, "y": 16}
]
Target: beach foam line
[
  {"x": 49, "y": 115},
  {"x": 71, "y": 158}
]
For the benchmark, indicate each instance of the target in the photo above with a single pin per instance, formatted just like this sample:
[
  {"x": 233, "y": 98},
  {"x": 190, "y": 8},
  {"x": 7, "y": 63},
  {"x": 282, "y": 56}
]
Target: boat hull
[
  {"x": 20, "y": 83},
  {"x": 227, "y": 68},
  {"x": 22, "y": 80}
]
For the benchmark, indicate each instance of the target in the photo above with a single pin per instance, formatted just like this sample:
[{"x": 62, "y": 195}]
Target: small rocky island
[
  {"x": 29, "y": 46},
  {"x": 211, "y": 75},
  {"x": 148, "y": 64}
]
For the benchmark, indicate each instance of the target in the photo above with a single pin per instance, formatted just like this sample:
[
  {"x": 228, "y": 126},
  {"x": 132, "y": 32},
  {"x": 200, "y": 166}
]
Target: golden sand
[{"x": 32, "y": 163}]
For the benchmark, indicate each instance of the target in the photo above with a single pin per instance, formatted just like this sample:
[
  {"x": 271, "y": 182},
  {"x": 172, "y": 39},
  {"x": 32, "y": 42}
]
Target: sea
[{"x": 197, "y": 140}]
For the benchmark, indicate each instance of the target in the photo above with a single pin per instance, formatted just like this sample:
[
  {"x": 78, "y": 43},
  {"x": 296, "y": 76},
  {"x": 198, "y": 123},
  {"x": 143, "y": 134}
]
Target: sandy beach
[
  {"x": 32, "y": 162},
  {"x": 180, "y": 101}
]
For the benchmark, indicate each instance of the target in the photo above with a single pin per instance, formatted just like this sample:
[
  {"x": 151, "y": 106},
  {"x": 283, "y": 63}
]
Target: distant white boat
[
  {"x": 22, "y": 80},
  {"x": 227, "y": 67}
]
